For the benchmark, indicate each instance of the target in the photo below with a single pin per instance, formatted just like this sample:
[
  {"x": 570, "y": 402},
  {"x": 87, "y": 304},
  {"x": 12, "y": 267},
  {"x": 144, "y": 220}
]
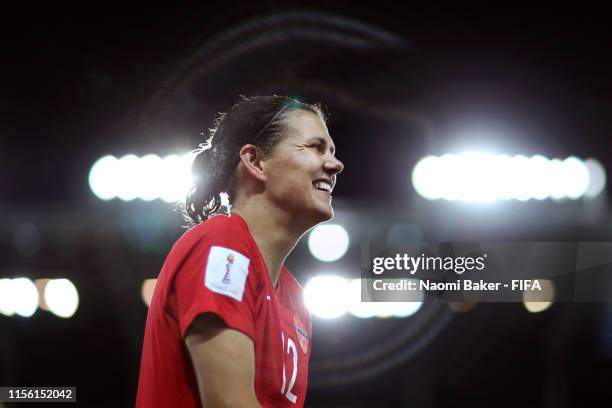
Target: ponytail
[{"x": 210, "y": 179}]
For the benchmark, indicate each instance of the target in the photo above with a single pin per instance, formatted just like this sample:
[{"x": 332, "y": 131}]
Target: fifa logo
[{"x": 228, "y": 268}]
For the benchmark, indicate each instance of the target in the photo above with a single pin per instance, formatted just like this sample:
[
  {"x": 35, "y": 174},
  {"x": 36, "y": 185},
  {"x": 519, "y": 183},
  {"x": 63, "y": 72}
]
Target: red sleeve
[{"x": 217, "y": 276}]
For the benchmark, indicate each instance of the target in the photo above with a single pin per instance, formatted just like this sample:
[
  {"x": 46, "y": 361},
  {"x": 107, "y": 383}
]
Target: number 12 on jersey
[{"x": 291, "y": 349}]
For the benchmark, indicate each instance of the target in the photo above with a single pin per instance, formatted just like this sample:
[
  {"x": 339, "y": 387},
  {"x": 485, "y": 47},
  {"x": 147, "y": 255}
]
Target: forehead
[{"x": 304, "y": 125}]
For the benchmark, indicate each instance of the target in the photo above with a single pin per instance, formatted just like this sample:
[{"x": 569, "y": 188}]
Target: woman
[{"x": 227, "y": 326}]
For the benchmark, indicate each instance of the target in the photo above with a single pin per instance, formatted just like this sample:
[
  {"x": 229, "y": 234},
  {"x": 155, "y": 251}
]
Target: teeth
[{"x": 322, "y": 185}]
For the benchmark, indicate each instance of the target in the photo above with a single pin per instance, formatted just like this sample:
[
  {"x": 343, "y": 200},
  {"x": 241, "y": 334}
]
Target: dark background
[{"x": 399, "y": 81}]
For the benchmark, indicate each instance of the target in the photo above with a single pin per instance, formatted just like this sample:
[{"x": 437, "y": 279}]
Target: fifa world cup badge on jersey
[
  {"x": 226, "y": 272},
  {"x": 302, "y": 333},
  {"x": 228, "y": 268}
]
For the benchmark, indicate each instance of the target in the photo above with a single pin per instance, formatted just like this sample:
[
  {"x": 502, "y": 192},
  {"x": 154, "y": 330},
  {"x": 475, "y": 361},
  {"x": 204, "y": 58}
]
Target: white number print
[{"x": 290, "y": 348}]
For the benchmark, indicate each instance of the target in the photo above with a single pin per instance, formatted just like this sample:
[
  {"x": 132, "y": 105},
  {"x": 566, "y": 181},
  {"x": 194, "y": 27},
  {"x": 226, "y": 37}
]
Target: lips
[{"x": 322, "y": 185}]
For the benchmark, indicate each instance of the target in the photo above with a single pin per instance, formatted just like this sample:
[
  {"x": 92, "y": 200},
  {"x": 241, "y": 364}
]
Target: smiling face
[{"x": 301, "y": 170}]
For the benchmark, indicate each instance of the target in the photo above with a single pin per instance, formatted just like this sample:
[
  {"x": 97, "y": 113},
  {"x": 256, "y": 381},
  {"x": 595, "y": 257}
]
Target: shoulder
[
  {"x": 218, "y": 226},
  {"x": 196, "y": 243},
  {"x": 219, "y": 252},
  {"x": 219, "y": 230}
]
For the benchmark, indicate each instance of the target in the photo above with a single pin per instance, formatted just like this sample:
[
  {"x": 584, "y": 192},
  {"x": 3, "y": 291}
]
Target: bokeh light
[
  {"x": 329, "y": 297},
  {"x": 61, "y": 297},
  {"x": 149, "y": 174},
  {"x": 24, "y": 296},
  {"x": 537, "y": 300},
  {"x": 146, "y": 291},
  {"x": 146, "y": 178},
  {"x": 598, "y": 178},
  {"x": 326, "y": 296},
  {"x": 485, "y": 177},
  {"x": 328, "y": 242},
  {"x": 7, "y": 306},
  {"x": 127, "y": 177},
  {"x": 102, "y": 177},
  {"x": 366, "y": 310}
]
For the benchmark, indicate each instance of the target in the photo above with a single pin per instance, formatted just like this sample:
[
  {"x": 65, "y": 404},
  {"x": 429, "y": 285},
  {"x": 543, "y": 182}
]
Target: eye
[{"x": 317, "y": 146}]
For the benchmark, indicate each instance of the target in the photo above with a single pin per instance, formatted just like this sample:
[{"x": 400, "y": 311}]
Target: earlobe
[{"x": 251, "y": 159}]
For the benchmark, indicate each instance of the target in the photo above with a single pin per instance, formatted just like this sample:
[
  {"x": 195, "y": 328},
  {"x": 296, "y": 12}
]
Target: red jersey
[{"x": 216, "y": 267}]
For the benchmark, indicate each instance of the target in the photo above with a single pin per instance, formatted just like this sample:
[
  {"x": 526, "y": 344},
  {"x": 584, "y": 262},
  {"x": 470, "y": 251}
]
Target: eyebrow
[{"x": 319, "y": 139}]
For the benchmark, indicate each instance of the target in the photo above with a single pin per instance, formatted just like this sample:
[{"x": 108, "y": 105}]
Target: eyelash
[{"x": 320, "y": 147}]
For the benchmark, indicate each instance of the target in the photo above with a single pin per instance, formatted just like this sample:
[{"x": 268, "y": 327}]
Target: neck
[{"x": 274, "y": 231}]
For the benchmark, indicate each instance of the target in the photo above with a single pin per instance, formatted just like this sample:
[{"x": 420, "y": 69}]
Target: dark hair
[{"x": 259, "y": 120}]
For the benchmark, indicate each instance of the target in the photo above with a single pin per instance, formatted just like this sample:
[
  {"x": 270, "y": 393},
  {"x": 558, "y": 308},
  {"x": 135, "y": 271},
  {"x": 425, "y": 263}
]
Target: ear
[{"x": 251, "y": 159}]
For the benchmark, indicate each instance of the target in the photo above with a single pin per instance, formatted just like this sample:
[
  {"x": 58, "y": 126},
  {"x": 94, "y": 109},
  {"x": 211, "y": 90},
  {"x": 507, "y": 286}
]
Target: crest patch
[
  {"x": 302, "y": 333},
  {"x": 226, "y": 272}
]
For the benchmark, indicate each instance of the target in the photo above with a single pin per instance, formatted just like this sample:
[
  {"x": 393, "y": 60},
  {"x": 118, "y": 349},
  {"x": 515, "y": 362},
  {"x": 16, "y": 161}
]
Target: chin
[
  {"x": 325, "y": 214},
  {"x": 316, "y": 214}
]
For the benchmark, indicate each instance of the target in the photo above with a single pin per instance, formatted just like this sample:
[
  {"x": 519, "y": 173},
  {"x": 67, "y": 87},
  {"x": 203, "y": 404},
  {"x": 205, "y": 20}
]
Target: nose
[{"x": 333, "y": 165}]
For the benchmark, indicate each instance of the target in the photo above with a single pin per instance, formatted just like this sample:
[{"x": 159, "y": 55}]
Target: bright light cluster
[
  {"x": 485, "y": 177},
  {"x": 329, "y": 297},
  {"x": 21, "y": 296},
  {"x": 147, "y": 178},
  {"x": 328, "y": 242}
]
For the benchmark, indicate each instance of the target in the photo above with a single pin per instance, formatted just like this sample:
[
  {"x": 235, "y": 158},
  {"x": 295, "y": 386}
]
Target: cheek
[
  {"x": 291, "y": 179},
  {"x": 294, "y": 170}
]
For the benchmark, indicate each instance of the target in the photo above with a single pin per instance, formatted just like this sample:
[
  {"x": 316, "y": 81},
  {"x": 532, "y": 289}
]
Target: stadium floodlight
[
  {"x": 329, "y": 297},
  {"x": 61, "y": 297},
  {"x": 538, "y": 300},
  {"x": 7, "y": 305},
  {"x": 184, "y": 178},
  {"x": 175, "y": 177},
  {"x": 538, "y": 181},
  {"x": 366, "y": 310},
  {"x": 425, "y": 178},
  {"x": 577, "y": 177},
  {"x": 521, "y": 179},
  {"x": 555, "y": 179},
  {"x": 597, "y": 177},
  {"x": 485, "y": 177},
  {"x": 536, "y": 306},
  {"x": 146, "y": 290},
  {"x": 328, "y": 242},
  {"x": 102, "y": 177},
  {"x": 127, "y": 177},
  {"x": 169, "y": 189},
  {"x": 146, "y": 178},
  {"x": 24, "y": 296},
  {"x": 148, "y": 174},
  {"x": 326, "y": 296}
]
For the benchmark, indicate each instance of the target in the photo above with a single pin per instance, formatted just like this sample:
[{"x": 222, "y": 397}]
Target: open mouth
[{"x": 322, "y": 186}]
